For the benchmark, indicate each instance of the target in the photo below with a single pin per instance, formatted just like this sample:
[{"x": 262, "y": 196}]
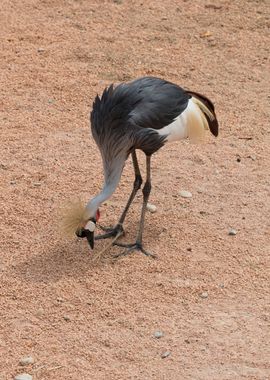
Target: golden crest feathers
[
  {"x": 197, "y": 121},
  {"x": 203, "y": 108},
  {"x": 72, "y": 216},
  {"x": 196, "y": 126}
]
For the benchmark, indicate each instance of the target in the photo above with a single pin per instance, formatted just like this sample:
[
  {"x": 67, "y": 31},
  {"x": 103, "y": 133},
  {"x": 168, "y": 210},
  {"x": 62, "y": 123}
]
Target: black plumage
[{"x": 133, "y": 111}]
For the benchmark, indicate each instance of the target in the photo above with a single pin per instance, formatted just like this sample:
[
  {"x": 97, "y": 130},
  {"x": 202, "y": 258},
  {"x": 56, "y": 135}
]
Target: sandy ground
[{"x": 208, "y": 292}]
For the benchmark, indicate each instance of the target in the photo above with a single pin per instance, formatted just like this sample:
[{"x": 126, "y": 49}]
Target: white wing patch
[
  {"x": 191, "y": 123},
  {"x": 177, "y": 130}
]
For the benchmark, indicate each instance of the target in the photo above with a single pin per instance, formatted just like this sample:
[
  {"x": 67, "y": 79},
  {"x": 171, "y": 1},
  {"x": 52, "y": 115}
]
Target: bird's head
[
  {"x": 77, "y": 219},
  {"x": 87, "y": 227}
]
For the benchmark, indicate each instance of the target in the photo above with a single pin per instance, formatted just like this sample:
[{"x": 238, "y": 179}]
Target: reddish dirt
[{"x": 85, "y": 320}]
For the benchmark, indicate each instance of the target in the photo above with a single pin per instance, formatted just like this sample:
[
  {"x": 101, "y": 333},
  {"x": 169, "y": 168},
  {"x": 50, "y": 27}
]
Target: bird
[{"x": 144, "y": 114}]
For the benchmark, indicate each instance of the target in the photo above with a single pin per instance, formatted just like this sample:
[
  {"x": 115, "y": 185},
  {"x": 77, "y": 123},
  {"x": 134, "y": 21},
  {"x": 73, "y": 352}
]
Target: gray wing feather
[
  {"x": 161, "y": 102},
  {"x": 126, "y": 115}
]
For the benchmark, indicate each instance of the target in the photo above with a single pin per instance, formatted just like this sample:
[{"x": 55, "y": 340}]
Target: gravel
[
  {"x": 204, "y": 295},
  {"x": 27, "y": 360},
  {"x": 151, "y": 208},
  {"x": 158, "y": 334},
  {"x": 185, "y": 194},
  {"x": 165, "y": 354},
  {"x": 232, "y": 232},
  {"x": 23, "y": 376}
]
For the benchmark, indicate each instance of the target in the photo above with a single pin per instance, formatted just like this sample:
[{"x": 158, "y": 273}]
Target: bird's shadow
[
  {"x": 62, "y": 259},
  {"x": 53, "y": 258}
]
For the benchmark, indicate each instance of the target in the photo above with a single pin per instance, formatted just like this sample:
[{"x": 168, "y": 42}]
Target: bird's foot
[
  {"x": 111, "y": 232},
  {"x": 129, "y": 248}
]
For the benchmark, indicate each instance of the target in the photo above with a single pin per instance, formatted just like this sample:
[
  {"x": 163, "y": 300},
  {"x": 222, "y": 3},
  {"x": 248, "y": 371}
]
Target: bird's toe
[
  {"x": 111, "y": 232},
  {"x": 129, "y": 248}
]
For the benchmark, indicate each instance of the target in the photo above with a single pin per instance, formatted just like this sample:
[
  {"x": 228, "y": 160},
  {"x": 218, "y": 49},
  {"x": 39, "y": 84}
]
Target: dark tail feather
[{"x": 212, "y": 121}]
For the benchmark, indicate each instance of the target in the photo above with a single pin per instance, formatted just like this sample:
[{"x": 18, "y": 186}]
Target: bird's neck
[{"x": 112, "y": 179}]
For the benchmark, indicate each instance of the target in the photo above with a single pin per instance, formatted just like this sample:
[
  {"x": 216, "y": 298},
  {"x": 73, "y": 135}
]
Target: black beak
[
  {"x": 82, "y": 233},
  {"x": 90, "y": 238}
]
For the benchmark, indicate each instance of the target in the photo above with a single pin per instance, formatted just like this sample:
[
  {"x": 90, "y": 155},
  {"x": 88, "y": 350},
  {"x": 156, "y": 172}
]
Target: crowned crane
[{"x": 143, "y": 114}]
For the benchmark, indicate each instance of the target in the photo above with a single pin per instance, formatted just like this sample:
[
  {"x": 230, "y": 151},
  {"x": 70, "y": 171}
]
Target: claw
[{"x": 132, "y": 247}]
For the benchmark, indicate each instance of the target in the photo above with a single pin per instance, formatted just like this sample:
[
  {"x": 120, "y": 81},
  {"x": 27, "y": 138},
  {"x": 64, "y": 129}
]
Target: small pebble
[
  {"x": 66, "y": 318},
  {"x": 213, "y": 6},
  {"x": 206, "y": 34},
  {"x": 185, "y": 194},
  {"x": 40, "y": 50},
  {"x": 13, "y": 182},
  {"x": 27, "y": 360},
  {"x": 37, "y": 184},
  {"x": 151, "y": 208},
  {"x": 232, "y": 232},
  {"x": 23, "y": 376},
  {"x": 189, "y": 249},
  {"x": 203, "y": 212},
  {"x": 40, "y": 312},
  {"x": 204, "y": 295},
  {"x": 158, "y": 334},
  {"x": 165, "y": 354}
]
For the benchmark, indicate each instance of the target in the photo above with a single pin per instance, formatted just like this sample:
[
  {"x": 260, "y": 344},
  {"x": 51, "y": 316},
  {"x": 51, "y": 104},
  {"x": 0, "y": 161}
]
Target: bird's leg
[
  {"x": 136, "y": 186},
  {"x": 118, "y": 229},
  {"x": 146, "y": 192}
]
